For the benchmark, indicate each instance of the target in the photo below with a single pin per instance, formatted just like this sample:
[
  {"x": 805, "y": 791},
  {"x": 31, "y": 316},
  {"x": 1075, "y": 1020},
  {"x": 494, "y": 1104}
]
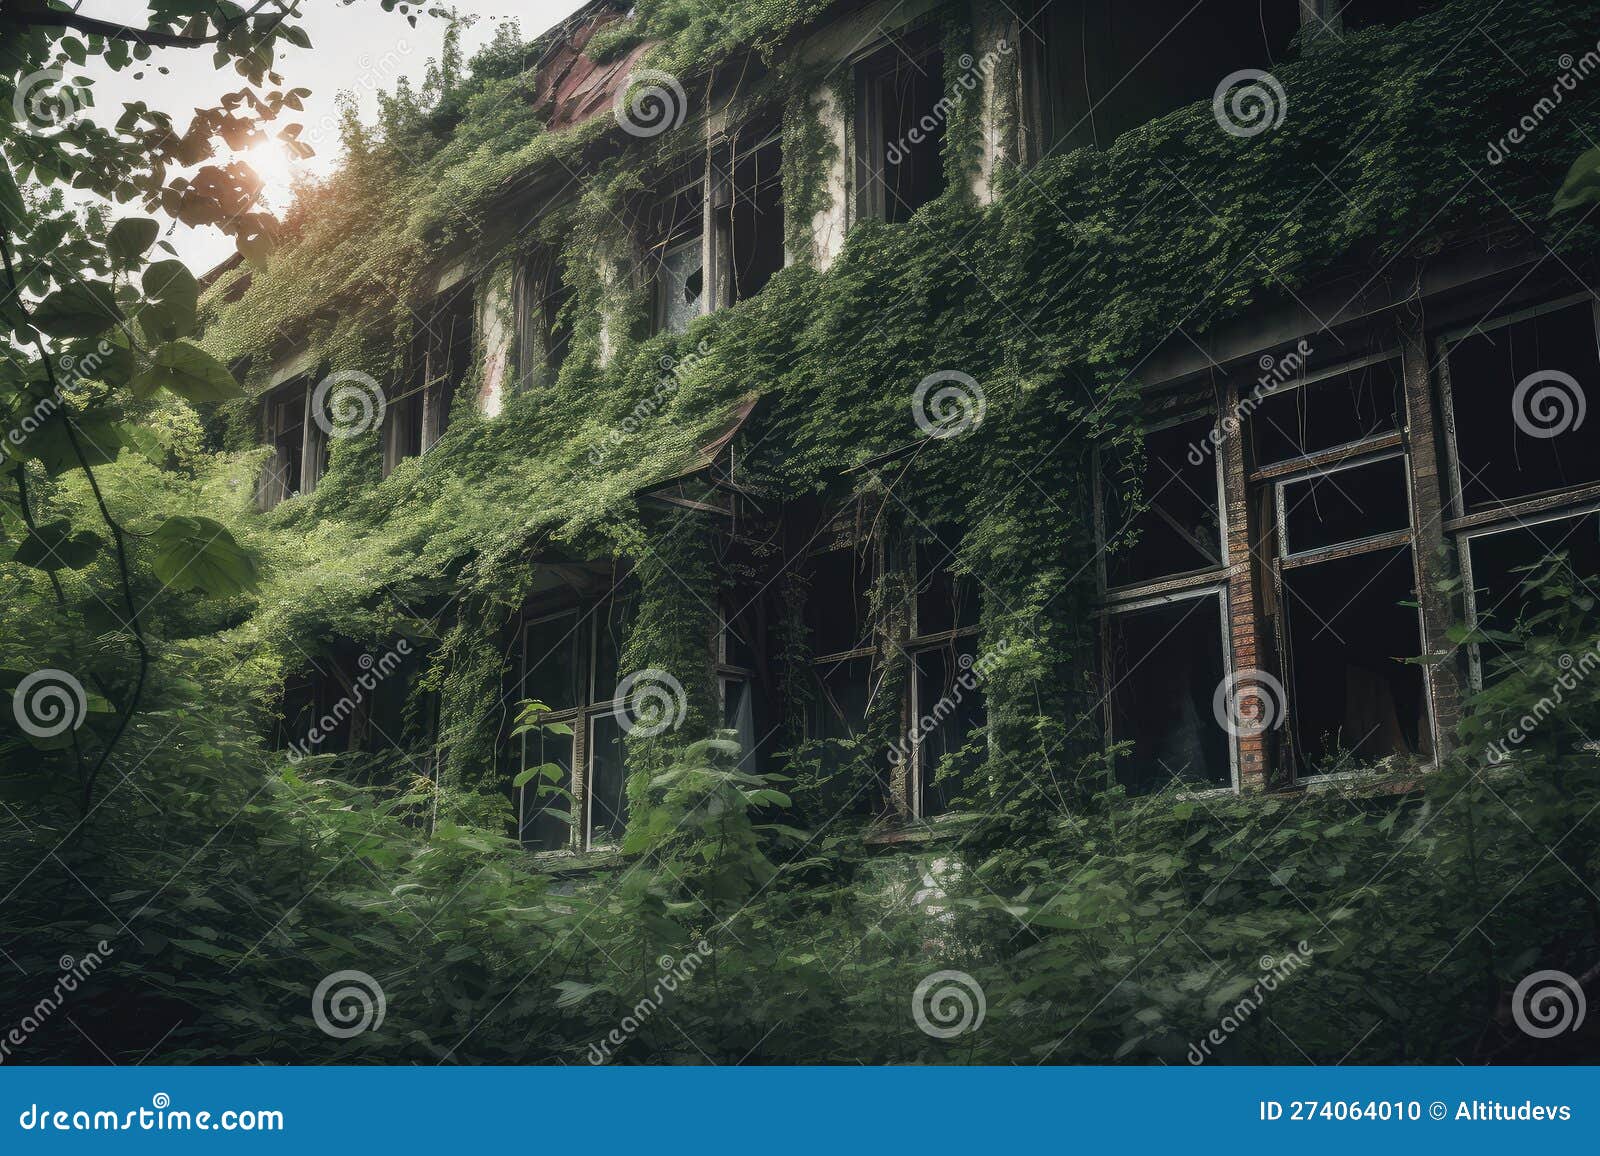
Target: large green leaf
[
  {"x": 130, "y": 239},
  {"x": 199, "y": 554},
  {"x": 173, "y": 296},
  {"x": 81, "y": 309},
  {"x": 97, "y": 434},
  {"x": 53, "y": 546},
  {"x": 188, "y": 371}
]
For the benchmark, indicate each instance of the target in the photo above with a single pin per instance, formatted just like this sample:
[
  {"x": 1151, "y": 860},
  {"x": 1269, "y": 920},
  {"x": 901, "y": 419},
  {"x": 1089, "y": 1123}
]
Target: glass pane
[
  {"x": 1165, "y": 663},
  {"x": 1518, "y": 396},
  {"x": 1179, "y": 531},
  {"x": 608, "y": 781},
  {"x": 682, "y": 286},
  {"x": 542, "y": 822},
  {"x": 1354, "y": 698},
  {"x": 1343, "y": 506},
  {"x": 1350, "y": 407},
  {"x": 949, "y": 708},
  {"x": 551, "y": 662}
]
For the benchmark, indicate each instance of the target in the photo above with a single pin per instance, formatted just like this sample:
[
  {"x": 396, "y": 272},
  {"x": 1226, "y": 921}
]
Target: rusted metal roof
[{"x": 572, "y": 88}]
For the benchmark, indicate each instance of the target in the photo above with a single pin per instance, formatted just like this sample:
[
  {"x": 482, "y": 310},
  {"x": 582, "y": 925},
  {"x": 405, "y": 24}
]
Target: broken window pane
[
  {"x": 608, "y": 780},
  {"x": 1518, "y": 395},
  {"x": 949, "y": 708},
  {"x": 1180, "y": 530},
  {"x": 836, "y": 604},
  {"x": 752, "y": 217},
  {"x": 284, "y": 418},
  {"x": 1094, "y": 69},
  {"x": 551, "y": 662},
  {"x": 1353, "y": 697},
  {"x": 900, "y": 129},
  {"x": 1341, "y": 410},
  {"x": 738, "y": 716},
  {"x": 1497, "y": 557},
  {"x": 1343, "y": 506},
  {"x": 944, "y": 600},
  {"x": 542, "y": 816},
  {"x": 1165, "y": 664},
  {"x": 682, "y": 286}
]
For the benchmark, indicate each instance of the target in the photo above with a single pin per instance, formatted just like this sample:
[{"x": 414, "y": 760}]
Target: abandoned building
[{"x": 1269, "y": 603}]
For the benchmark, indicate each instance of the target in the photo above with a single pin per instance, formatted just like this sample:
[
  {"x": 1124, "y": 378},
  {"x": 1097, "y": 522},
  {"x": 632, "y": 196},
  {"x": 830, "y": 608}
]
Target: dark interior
[
  {"x": 1339, "y": 507},
  {"x": 1102, "y": 67},
  {"x": 1336, "y": 411},
  {"x": 1165, "y": 663},
  {"x": 1500, "y": 460},
  {"x": 1350, "y": 692},
  {"x": 899, "y": 90},
  {"x": 1179, "y": 531}
]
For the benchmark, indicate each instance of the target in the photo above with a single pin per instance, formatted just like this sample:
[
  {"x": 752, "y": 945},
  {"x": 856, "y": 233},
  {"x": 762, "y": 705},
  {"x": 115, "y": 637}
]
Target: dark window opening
[
  {"x": 677, "y": 251},
  {"x": 750, "y": 216},
  {"x": 946, "y": 601},
  {"x": 837, "y": 610},
  {"x": 1353, "y": 697},
  {"x": 1355, "y": 406},
  {"x": 441, "y": 354},
  {"x": 851, "y": 771},
  {"x": 1344, "y": 506},
  {"x": 608, "y": 780},
  {"x": 1096, "y": 68},
  {"x": 283, "y": 416},
  {"x": 1165, "y": 664},
  {"x": 544, "y": 313},
  {"x": 900, "y": 126},
  {"x": 1519, "y": 394},
  {"x": 1179, "y": 531},
  {"x": 948, "y": 709},
  {"x": 552, "y": 668},
  {"x": 543, "y": 812},
  {"x": 1499, "y": 562}
]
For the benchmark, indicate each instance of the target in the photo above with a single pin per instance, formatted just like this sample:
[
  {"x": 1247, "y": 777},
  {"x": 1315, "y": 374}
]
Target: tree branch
[{"x": 41, "y": 17}]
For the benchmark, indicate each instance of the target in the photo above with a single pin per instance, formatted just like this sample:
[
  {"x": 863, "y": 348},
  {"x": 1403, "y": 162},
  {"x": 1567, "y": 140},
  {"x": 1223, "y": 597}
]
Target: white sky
[{"x": 358, "y": 47}]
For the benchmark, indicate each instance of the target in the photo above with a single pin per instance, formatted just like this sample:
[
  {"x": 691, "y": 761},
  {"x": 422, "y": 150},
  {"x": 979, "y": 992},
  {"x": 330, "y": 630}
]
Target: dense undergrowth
[{"x": 228, "y": 884}]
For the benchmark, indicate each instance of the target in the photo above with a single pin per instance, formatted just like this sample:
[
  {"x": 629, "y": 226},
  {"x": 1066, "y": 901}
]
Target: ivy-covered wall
[{"x": 1051, "y": 296}]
